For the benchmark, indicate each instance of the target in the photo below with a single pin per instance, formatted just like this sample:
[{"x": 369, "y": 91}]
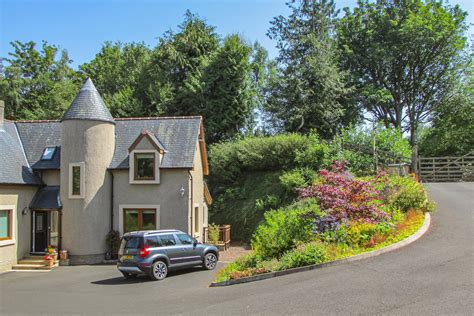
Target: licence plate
[{"x": 127, "y": 257}]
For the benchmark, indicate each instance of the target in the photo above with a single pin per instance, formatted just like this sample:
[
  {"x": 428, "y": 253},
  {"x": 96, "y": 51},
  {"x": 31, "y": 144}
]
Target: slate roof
[
  {"x": 88, "y": 105},
  {"x": 36, "y": 136},
  {"x": 178, "y": 135},
  {"x": 46, "y": 198},
  {"x": 14, "y": 166}
]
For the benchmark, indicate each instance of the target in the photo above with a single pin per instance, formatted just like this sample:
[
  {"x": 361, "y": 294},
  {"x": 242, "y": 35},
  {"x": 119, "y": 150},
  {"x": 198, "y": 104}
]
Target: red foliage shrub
[{"x": 346, "y": 198}]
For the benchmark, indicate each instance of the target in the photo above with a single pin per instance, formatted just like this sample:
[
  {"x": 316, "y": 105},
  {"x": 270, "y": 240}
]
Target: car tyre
[
  {"x": 210, "y": 261},
  {"x": 129, "y": 275},
  {"x": 159, "y": 271}
]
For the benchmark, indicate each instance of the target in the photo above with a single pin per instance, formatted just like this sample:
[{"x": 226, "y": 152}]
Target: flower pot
[
  {"x": 49, "y": 262},
  {"x": 63, "y": 254}
]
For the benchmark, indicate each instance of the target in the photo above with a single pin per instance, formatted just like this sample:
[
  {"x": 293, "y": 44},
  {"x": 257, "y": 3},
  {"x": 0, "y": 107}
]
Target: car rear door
[
  {"x": 171, "y": 247},
  {"x": 130, "y": 248}
]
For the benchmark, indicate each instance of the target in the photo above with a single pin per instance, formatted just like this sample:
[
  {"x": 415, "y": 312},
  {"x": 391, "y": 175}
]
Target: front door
[{"x": 40, "y": 231}]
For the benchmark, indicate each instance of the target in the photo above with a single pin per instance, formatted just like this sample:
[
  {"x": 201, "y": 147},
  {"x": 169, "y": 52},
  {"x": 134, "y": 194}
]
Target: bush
[
  {"x": 405, "y": 193},
  {"x": 239, "y": 265},
  {"x": 297, "y": 178},
  {"x": 213, "y": 233},
  {"x": 282, "y": 230},
  {"x": 360, "y": 234},
  {"x": 303, "y": 255}
]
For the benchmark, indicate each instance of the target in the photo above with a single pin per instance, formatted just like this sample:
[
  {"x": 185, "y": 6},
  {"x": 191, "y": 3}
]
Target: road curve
[{"x": 433, "y": 275}]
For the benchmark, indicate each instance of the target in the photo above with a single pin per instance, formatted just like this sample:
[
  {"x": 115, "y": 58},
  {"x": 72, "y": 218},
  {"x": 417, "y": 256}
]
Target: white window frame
[
  {"x": 122, "y": 207},
  {"x": 11, "y": 241},
  {"x": 132, "y": 166},
  {"x": 196, "y": 234},
  {"x": 82, "y": 167}
]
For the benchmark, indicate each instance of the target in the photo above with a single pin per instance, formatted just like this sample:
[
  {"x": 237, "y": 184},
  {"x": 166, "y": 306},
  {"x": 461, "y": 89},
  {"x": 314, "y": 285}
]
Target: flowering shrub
[
  {"x": 346, "y": 198},
  {"x": 303, "y": 255}
]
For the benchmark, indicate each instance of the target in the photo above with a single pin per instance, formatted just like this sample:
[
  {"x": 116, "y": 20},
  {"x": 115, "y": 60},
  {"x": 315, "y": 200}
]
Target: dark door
[
  {"x": 191, "y": 254},
  {"x": 40, "y": 231}
]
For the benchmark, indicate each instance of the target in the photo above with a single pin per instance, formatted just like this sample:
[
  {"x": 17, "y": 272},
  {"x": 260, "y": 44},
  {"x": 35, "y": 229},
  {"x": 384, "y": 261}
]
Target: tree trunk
[{"x": 414, "y": 147}]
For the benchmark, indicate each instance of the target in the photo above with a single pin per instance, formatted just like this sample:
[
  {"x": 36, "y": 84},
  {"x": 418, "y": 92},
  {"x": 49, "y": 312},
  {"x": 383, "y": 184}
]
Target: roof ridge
[
  {"x": 35, "y": 121},
  {"x": 144, "y": 118}
]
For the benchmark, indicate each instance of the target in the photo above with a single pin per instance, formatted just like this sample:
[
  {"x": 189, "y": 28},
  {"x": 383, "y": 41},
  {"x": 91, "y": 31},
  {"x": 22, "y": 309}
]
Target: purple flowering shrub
[{"x": 344, "y": 198}]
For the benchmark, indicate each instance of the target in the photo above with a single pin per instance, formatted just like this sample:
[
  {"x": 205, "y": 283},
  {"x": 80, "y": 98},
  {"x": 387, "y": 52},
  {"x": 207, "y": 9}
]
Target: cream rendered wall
[
  {"x": 198, "y": 195},
  {"x": 86, "y": 221},
  {"x": 173, "y": 206},
  {"x": 51, "y": 177},
  {"x": 19, "y": 197}
]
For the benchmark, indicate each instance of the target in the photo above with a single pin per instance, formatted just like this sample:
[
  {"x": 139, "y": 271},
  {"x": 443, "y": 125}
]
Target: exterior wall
[
  {"x": 173, "y": 208},
  {"x": 86, "y": 221},
  {"x": 19, "y": 197},
  {"x": 198, "y": 196},
  {"x": 51, "y": 177}
]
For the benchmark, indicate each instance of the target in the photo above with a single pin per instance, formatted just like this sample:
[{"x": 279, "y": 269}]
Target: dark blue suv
[{"x": 154, "y": 252}]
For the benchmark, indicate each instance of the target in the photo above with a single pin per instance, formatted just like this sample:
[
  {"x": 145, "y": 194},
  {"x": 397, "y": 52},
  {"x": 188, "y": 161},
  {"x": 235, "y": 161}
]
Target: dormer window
[
  {"x": 144, "y": 166},
  {"x": 146, "y": 154},
  {"x": 48, "y": 153}
]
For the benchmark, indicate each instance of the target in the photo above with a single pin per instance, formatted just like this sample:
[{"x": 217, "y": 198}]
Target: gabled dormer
[{"x": 145, "y": 157}]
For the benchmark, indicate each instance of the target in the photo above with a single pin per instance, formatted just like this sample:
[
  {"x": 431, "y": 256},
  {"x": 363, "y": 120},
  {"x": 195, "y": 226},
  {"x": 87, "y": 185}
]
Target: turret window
[{"x": 76, "y": 180}]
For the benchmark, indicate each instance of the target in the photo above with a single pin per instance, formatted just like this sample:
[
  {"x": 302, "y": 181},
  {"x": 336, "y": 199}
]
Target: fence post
[{"x": 414, "y": 159}]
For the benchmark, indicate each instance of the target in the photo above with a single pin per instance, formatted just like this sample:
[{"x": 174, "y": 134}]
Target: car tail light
[{"x": 145, "y": 251}]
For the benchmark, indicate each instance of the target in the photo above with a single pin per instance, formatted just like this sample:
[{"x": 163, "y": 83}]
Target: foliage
[
  {"x": 36, "y": 83},
  {"x": 282, "y": 230},
  {"x": 346, "y": 198},
  {"x": 297, "y": 178},
  {"x": 403, "y": 57},
  {"x": 452, "y": 132},
  {"x": 213, "y": 233},
  {"x": 360, "y": 234},
  {"x": 113, "y": 240},
  {"x": 406, "y": 194},
  {"x": 116, "y": 72},
  {"x": 310, "y": 90},
  {"x": 240, "y": 264},
  {"x": 303, "y": 255}
]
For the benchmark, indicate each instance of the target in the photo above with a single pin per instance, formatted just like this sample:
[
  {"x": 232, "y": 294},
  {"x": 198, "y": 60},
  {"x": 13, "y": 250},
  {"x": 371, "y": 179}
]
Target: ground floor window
[
  {"x": 5, "y": 224},
  {"x": 139, "y": 219}
]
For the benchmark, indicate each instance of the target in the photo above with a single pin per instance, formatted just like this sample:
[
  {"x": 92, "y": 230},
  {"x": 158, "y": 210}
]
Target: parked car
[{"x": 156, "y": 252}]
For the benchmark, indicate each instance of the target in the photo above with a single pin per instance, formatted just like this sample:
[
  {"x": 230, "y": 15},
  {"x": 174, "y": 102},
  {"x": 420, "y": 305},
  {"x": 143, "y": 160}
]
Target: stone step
[
  {"x": 33, "y": 258},
  {"x": 31, "y": 261},
  {"x": 33, "y": 267}
]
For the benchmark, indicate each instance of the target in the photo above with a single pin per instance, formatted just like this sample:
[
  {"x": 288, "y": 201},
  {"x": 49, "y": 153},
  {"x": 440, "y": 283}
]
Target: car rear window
[
  {"x": 167, "y": 240},
  {"x": 152, "y": 241},
  {"x": 131, "y": 242}
]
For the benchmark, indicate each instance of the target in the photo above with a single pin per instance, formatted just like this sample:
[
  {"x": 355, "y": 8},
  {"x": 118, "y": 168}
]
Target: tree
[
  {"x": 37, "y": 84},
  {"x": 311, "y": 90},
  {"x": 403, "y": 56},
  {"x": 452, "y": 131},
  {"x": 173, "y": 82},
  {"x": 116, "y": 71},
  {"x": 228, "y": 95}
]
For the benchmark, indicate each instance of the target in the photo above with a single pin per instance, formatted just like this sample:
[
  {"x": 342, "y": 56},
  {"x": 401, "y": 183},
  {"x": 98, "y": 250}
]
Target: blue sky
[{"x": 82, "y": 26}]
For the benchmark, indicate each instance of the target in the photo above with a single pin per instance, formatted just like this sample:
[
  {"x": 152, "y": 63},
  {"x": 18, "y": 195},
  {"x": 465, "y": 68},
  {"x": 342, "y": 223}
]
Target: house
[{"x": 69, "y": 182}]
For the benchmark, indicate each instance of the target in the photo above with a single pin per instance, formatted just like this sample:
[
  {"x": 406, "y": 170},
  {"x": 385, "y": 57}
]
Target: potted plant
[
  {"x": 48, "y": 260},
  {"x": 52, "y": 252}
]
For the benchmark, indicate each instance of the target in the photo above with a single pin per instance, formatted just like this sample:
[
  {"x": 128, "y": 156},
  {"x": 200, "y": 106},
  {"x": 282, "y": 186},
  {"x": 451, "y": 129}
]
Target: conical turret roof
[{"x": 88, "y": 105}]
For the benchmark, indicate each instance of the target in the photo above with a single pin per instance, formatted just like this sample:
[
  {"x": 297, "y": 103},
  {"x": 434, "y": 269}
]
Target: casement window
[
  {"x": 6, "y": 219},
  {"x": 76, "y": 180},
  {"x": 196, "y": 221},
  {"x": 144, "y": 166},
  {"x": 139, "y": 219}
]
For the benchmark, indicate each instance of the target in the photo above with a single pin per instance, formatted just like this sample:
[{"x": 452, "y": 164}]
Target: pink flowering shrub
[{"x": 345, "y": 198}]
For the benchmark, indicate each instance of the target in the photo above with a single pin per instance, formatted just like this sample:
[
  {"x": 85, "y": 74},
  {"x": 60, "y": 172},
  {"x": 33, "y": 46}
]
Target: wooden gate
[{"x": 446, "y": 169}]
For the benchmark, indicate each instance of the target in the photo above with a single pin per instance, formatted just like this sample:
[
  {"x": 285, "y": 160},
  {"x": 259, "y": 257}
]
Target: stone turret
[{"x": 88, "y": 144}]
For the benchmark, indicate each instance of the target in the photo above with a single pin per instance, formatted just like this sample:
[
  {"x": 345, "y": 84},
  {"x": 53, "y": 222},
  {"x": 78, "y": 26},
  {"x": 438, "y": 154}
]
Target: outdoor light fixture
[{"x": 181, "y": 191}]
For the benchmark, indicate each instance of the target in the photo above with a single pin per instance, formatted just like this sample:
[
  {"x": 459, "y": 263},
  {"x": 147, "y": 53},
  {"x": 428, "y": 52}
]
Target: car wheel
[
  {"x": 129, "y": 275},
  {"x": 210, "y": 261},
  {"x": 159, "y": 271}
]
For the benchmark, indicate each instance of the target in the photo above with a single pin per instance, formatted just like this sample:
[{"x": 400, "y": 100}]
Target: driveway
[{"x": 434, "y": 275}]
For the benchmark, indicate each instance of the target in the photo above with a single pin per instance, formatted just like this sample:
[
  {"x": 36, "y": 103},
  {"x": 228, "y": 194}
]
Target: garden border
[{"x": 423, "y": 229}]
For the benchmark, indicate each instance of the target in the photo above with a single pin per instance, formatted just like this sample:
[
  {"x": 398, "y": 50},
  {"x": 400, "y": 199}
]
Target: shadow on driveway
[{"x": 120, "y": 280}]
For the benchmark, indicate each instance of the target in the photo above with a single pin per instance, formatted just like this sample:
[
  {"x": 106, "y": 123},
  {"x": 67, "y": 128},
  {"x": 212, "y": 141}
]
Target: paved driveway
[{"x": 434, "y": 275}]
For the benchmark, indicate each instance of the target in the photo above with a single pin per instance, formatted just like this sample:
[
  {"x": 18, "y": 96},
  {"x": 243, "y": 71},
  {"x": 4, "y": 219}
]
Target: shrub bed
[{"x": 336, "y": 216}]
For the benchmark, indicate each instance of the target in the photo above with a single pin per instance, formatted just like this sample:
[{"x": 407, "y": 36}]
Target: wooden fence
[
  {"x": 446, "y": 169},
  {"x": 224, "y": 237}
]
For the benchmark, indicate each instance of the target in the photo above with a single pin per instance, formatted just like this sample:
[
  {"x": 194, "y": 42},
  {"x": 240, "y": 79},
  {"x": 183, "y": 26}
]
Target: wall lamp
[
  {"x": 24, "y": 211},
  {"x": 182, "y": 191}
]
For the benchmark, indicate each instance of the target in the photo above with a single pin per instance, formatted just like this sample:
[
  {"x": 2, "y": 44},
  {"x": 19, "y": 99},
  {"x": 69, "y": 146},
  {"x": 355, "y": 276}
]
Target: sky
[{"x": 81, "y": 27}]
